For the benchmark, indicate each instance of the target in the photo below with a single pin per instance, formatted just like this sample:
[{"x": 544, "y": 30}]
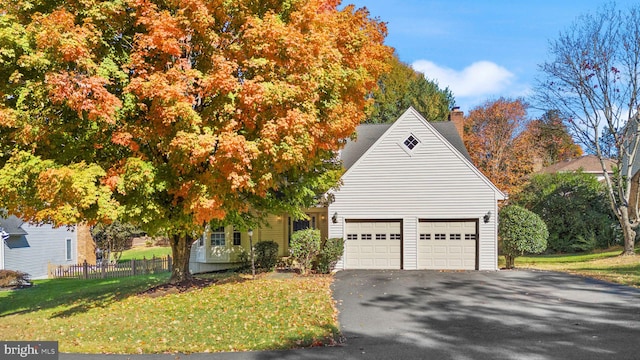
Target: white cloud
[{"x": 482, "y": 79}]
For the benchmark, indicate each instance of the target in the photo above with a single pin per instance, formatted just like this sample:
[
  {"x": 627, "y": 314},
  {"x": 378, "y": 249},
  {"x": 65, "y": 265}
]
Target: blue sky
[{"x": 480, "y": 49}]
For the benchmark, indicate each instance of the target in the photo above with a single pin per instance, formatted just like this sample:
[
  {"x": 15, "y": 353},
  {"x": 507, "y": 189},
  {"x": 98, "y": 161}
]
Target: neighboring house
[
  {"x": 410, "y": 199},
  {"x": 31, "y": 248},
  {"x": 589, "y": 164}
]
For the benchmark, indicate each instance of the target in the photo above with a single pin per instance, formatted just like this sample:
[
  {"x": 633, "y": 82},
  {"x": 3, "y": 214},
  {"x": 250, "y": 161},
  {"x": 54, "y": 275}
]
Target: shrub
[
  {"x": 331, "y": 251},
  {"x": 266, "y": 255},
  {"x": 304, "y": 247},
  {"x": 12, "y": 278},
  {"x": 521, "y": 231},
  {"x": 575, "y": 208}
]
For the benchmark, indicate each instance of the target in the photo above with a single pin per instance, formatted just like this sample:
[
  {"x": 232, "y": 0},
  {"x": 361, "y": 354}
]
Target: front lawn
[
  {"x": 110, "y": 316},
  {"x": 605, "y": 265},
  {"x": 145, "y": 252}
]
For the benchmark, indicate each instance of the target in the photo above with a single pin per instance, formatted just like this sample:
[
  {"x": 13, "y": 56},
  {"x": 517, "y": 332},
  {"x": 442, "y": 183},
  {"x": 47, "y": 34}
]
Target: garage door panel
[
  {"x": 447, "y": 245},
  {"x": 373, "y": 245}
]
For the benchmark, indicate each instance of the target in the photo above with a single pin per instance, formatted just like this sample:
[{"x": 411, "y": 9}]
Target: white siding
[
  {"x": 433, "y": 182},
  {"x": 43, "y": 245}
]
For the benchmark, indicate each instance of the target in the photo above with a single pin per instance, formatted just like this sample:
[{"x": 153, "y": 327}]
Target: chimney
[{"x": 456, "y": 116}]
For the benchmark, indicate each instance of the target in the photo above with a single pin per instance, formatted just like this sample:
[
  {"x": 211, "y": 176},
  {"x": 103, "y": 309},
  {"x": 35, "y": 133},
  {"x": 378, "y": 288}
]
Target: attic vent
[{"x": 411, "y": 142}]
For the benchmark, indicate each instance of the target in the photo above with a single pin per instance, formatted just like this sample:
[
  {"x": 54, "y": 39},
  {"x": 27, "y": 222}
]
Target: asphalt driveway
[{"x": 486, "y": 315}]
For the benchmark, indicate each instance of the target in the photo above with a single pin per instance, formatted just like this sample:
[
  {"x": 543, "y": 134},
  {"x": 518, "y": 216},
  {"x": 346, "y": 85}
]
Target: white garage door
[
  {"x": 373, "y": 245},
  {"x": 447, "y": 245}
]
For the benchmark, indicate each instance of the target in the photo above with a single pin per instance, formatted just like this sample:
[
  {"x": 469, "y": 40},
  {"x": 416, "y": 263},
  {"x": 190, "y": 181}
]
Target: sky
[{"x": 481, "y": 49}]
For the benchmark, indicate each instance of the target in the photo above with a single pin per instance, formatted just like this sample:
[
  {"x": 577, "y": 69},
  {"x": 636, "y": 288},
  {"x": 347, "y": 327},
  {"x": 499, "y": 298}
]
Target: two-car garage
[{"x": 438, "y": 244}]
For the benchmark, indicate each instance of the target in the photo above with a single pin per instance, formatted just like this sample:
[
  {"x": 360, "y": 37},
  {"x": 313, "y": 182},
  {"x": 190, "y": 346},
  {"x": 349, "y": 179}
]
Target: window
[
  {"x": 352, "y": 236},
  {"x": 201, "y": 240},
  {"x": 440, "y": 236},
  {"x": 381, "y": 236},
  {"x": 425, "y": 236},
  {"x": 68, "y": 249},
  {"x": 469, "y": 236},
  {"x": 217, "y": 237},
  {"x": 411, "y": 142},
  {"x": 237, "y": 238},
  {"x": 365, "y": 237},
  {"x": 394, "y": 236},
  {"x": 455, "y": 236}
]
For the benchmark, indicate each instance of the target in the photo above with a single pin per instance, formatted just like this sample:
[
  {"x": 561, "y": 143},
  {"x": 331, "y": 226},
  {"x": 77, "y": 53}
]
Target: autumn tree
[
  {"x": 403, "y": 87},
  {"x": 553, "y": 139},
  {"x": 500, "y": 143},
  {"x": 593, "y": 80},
  {"x": 172, "y": 114}
]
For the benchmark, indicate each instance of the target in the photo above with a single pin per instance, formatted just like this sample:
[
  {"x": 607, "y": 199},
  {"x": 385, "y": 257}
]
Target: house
[
  {"x": 410, "y": 199},
  {"x": 589, "y": 164},
  {"x": 30, "y": 248}
]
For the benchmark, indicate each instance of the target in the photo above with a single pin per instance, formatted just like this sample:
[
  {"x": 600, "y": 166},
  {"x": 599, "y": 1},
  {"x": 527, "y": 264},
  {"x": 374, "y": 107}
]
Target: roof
[
  {"x": 588, "y": 164},
  {"x": 12, "y": 225},
  {"x": 367, "y": 134}
]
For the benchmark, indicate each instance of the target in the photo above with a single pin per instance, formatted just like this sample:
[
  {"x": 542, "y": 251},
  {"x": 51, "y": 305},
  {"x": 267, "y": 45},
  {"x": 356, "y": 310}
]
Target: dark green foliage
[
  {"x": 266, "y": 253},
  {"x": 304, "y": 247},
  {"x": 521, "y": 231},
  {"x": 11, "y": 278},
  {"x": 331, "y": 251},
  {"x": 575, "y": 207},
  {"x": 112, "y": 239},
  {"x": 403, "y": 87}
]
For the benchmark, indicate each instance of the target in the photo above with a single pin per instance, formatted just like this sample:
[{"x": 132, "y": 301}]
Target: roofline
[{"x": 501, "y": 195}]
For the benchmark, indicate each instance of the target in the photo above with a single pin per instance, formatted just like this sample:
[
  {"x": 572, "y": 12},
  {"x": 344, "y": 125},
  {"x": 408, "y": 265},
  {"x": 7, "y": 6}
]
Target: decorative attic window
[{"x": 409, "y": 143}]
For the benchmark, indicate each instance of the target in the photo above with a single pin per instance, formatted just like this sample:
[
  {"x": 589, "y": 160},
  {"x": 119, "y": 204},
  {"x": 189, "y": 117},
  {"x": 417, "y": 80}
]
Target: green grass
[
  {"x": 145, "y": 252},
  {"x": 109, "y": 316},
  {"x": 606, "y": 265}
]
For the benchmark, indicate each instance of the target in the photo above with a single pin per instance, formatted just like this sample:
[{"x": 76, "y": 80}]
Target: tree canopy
[
  {"x": 592, "y": 79},
  {"x": 172, "y": 114},
  {"x": 496, "y": 137},
  {"x": 403, "y": 87}
]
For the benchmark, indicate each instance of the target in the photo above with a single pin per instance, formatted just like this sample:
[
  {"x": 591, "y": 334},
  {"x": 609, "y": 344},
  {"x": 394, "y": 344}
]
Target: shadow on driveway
[{"x": 488, "y": 315}]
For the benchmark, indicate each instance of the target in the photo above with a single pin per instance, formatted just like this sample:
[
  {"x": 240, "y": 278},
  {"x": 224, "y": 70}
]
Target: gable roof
[
  {"x": 588, "y": 163},
  {"x": 368, "y": 134},
  {"x": 446, "y": 132},
  {"x": 12, "y": 225}
]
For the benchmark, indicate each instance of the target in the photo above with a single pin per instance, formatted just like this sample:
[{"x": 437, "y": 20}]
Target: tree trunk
[
  {"x": 629, "y": 233},
  {"x": 181, "y": 250},
  {"x": 509, "y": 261}
]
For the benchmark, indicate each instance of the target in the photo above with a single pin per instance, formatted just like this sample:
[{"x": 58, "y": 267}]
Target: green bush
[
  {"x": 576, "y": 209},
  {"x": 329, "y": 255},
  {"x": 304, "y": 247},
  {"x": 521, "y": 231},
  {"x": 266, "y": 255},
  {"x": 12, "y": 278}
]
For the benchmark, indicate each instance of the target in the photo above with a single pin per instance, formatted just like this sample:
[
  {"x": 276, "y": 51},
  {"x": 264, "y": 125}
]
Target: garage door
[
  {"x": 447, "y": 245},
  {"x": 373, "y": 245}
]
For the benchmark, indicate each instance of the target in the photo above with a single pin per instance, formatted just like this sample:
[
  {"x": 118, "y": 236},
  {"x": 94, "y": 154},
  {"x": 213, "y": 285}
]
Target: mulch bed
[{"x": 177, "y": 288}]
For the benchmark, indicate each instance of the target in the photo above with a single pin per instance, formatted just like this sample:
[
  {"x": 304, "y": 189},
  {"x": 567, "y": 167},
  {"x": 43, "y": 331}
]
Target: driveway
[
  {"x": 486, "y": 315},
  {"x": 466, "y": 315}
]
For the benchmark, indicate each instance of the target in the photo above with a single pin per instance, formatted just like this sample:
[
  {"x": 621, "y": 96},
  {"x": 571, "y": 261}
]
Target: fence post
[
  {"x": 133, "y": 267},
  {"x": 169, "y": 263},
  {"x": 85, "y": 269},
  {"x": 103, "y": 265}
]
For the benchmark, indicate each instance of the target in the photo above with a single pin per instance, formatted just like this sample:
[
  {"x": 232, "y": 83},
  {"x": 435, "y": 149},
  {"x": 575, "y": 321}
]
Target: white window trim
[
  {"x": 68, "y": 249},
  {"x": 404, "y": 147}
]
